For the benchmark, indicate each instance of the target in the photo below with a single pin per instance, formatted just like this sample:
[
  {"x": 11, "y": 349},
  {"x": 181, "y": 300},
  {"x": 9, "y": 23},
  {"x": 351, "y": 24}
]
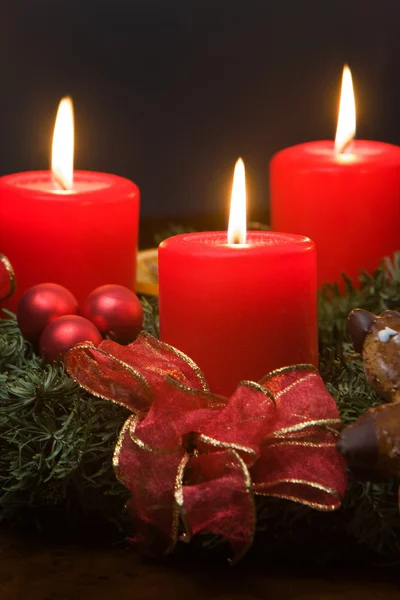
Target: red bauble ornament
[
  {"x": 64, "y": 333},
  {"x": 42, "y": 304},
  {"x": 116, "y": 311}
]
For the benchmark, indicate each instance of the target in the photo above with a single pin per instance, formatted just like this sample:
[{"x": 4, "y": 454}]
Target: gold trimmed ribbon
[
  {"x": 7, "y": 278},
  {"x": 194, "y": 461}
]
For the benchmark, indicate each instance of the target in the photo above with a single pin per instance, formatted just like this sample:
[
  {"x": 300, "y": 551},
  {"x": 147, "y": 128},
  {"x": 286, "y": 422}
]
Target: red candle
[
  {"x": 239, "y": 309},
  {"x": 78, "y": 229},
  {"x": 345, "y": 196}
]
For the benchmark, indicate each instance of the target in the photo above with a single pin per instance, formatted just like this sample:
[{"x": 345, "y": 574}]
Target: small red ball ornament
[
  {"x": 116, "y": 311},
  {"x": 64, "y": 333},
  {"x": 42, "y": 304}
]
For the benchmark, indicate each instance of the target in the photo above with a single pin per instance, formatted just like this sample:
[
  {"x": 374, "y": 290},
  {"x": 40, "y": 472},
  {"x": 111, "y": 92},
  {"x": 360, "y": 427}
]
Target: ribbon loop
[{"x": 189, "y": 456}]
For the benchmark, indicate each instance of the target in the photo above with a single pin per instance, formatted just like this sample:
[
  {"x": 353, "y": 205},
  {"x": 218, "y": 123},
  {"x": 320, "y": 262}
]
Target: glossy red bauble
[
  {"x": 42, "y": 304},
  {"x": 116, "y": 311},
  {"x": 64, "y": 333}
]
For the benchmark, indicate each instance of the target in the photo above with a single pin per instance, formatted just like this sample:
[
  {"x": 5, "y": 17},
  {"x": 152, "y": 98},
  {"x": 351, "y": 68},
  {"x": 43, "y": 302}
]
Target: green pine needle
[{"x": 57, "y": 441}]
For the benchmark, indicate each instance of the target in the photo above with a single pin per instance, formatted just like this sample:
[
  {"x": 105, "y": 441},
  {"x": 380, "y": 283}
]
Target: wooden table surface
[{"x": 35, "y": 570}]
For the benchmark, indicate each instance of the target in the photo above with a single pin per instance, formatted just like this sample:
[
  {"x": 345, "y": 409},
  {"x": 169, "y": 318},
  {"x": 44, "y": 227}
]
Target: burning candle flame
[
  {"x": 346, "y": 127},
  {"x": 62, "y": 159},
  {"x": 237, "y": 217}
]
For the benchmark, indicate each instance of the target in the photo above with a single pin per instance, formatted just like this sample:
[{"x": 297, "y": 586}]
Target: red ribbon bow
[{"x": 191, "y": 457}]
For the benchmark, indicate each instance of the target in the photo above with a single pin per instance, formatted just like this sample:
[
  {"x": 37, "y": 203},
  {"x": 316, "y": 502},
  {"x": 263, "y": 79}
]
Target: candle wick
[
  {"x": 59, "y": 180},
  {"x": 346, "y": 147},
  {"x": 236, "y": 238}
]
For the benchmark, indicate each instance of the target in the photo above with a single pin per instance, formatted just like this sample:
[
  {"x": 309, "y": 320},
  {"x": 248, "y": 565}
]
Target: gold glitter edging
[
  {"x": 230, "y": 446},
  {"x": 314, "y": 505},
  {"x": 216, "y": 402},
  {"x": 10, "y": 270},
  {"x": 302, "y": 426},
  {"x": 294, "y": 384},
  {"x": 130, "y": 426},
  {"x": 290, "y": 369},
  {"x": 130, "y": 422},
  {"x": 258, "y": 387},
  {"x": 136, "y": 375},
  {"x": 179, "y": 510},
  {"x": 291, "y": 442},
  {"x": 249, "y": 490},
  {"x": 312, "y": 484},
  {"x": 198, "y": 372},
  {"x": 143, "y": 446}
]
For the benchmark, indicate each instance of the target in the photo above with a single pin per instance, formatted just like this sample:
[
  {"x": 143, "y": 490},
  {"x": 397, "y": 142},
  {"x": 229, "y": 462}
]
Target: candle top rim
[
  {"x": 88, "y": 183},
  {"x": 215, "y": 242},
  {"x": 360, "y": 152}
]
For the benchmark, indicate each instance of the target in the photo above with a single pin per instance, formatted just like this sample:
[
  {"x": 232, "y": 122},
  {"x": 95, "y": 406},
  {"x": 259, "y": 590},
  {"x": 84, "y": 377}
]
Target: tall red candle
[
  {"x": 349, "y": 206},
  {"x": 239, "y": 310},
  {"x": 80, "y": 237},
  {"x": 346, "y": 199}
]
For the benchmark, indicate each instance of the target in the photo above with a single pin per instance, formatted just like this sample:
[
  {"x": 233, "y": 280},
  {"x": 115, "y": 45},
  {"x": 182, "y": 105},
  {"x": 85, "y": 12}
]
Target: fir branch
[
  {"x": 57, "y": 441},
  {"x": 376, "y": 293},
  {"x": 150, "y": 313}
]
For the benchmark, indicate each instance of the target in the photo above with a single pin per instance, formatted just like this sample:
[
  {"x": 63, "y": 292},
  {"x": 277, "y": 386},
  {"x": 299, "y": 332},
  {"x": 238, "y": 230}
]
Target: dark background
[{"x": 170, "y": 92}]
